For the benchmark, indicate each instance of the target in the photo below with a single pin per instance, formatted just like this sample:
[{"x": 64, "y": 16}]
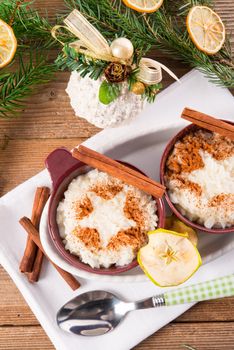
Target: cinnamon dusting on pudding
[
  {"x": 132, "y": 236},
  {"x": 187, "y": 184},
  {"x": 186, "y": 155},
  {"x": 200, "y": 178},
  {"x": 132, "y": 210},
  {"x": 89, "y": 236},
  {"x": 103, "y": 220},
  {"x": 107, "y": 191},
  {"x": 222, "y": 199},
  {"x": 83, "y": 208}
]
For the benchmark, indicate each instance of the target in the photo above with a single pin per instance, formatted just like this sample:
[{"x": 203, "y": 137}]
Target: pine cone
[{"x": 117, "y": 72}]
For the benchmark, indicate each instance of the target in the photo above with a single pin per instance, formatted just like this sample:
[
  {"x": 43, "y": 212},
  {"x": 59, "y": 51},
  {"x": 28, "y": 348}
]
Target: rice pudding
[
  {"x": 200, "y": 178},
  {"x": 103, "y": 220}
]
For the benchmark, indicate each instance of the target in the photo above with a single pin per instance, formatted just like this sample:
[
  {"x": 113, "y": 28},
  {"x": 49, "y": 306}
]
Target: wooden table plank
[
  {"x": 202, "y": 336},
  {"x": 28, "y": 160},
  {"x": 24, "y": 338},
  {"x": 48, "y": 115},
  {"x": 208, "y": 336}
]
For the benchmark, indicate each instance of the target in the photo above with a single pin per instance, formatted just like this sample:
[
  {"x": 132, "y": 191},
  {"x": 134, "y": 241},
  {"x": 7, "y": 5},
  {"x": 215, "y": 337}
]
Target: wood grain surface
[{"x": 49, "y": 122}]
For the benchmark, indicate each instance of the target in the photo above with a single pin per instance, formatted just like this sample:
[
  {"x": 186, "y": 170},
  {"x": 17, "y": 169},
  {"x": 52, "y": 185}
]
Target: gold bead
[{"x": 138, "y": 88}]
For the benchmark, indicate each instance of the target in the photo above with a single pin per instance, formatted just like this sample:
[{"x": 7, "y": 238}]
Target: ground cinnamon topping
[
  {"x": 186, "y": 156},
  {"x": 89, "y": 236},
  {"x": 222, "y": 199},
  {"x": 185, "y": 183},
  {"x": 107, "y": 191},
  {"x": 132, "y": 210},
  {"x": 83, "y": 208},
  {"x": 132, "y": 236}
]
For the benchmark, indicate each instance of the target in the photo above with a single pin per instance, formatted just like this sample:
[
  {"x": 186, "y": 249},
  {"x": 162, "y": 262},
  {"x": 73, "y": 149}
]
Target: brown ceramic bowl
[
  {"x": 165, "y": 155},
  {"x": 63, "y": 168}
]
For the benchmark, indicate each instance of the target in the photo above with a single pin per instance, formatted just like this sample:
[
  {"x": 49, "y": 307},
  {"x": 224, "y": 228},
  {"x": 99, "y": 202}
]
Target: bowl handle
[{"x": 59, "y": 163}]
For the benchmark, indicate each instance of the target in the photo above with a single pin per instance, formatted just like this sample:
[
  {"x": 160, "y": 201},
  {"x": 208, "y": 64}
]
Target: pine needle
[
  {"x": 19, "y": 79},
  {"x": 73, "y": 61},
  {"x": 16, "y": 86}
]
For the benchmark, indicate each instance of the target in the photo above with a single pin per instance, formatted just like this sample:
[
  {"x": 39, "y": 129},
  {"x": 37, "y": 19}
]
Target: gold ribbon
[
  {"x": 91, "y": 43},
  {"x": 150, "y": 71}
]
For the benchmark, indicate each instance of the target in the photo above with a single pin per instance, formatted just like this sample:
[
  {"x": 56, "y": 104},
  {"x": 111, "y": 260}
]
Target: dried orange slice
[
  {"x": 144, "y": 6},
  {"x": 8, "y": 44},
  {"x": 169, "y": 258},
  {"x": 206, "y": 29}
]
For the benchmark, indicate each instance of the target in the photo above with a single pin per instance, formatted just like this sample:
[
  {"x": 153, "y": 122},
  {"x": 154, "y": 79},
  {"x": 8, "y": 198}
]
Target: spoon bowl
[{"x": 92, "y": 313}]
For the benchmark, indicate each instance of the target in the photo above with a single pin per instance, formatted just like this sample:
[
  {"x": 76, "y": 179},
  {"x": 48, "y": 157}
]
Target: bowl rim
[
  {"x": 57, "y": 240},
  {"x": 168, "y": 149}
]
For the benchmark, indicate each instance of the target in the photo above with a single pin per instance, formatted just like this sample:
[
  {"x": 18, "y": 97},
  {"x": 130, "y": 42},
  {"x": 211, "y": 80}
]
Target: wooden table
[{"x": 49, "y": 122}]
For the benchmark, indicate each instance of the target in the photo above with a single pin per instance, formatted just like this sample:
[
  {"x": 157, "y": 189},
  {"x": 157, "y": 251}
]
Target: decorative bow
[{"x": 91, "y": 43}]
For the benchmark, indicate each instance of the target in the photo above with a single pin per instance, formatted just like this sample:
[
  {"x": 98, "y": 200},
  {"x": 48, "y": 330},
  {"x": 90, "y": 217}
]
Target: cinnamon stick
[
  {"x": 118, "y": 170},
  {"x": 34, "y": 235},
  {"x": 40, "y": 199},
  {"x": 35, "y": 274},
  {"x": 208, "y": 122}
]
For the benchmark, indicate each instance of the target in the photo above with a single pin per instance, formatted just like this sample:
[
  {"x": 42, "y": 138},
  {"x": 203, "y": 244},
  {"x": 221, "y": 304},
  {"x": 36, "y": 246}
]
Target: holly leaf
[{"x": 108, "y": 92}]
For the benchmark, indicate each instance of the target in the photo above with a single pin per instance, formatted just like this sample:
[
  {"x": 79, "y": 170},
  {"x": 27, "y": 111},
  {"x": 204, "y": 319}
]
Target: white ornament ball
[
  {"x": 83, "y": 93},
  {"x": 122, "y": 48}
]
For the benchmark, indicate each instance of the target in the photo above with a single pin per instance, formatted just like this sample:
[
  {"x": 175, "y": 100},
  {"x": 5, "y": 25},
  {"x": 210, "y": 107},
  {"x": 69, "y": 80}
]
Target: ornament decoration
[
  {"x": 117, "y": 72},
  {"x": 91, "y": 48},
  {"x": 91, "y": 43},
  {"x": 122, "y": 48},
  {"x": 138, "y": 88},
  {"x": 150, "y": 71},
  {"x": 108, "y": 92}
]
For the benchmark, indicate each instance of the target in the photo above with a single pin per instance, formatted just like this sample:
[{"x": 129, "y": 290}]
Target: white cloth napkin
[{"x": 47, "y": 296}]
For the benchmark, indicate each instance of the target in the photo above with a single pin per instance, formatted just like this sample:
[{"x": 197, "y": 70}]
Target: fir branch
[
  {"x": 19, "y": 79},
  {"x": 72, "y": 60},
  {"x": 177, "y": 43},
  {"x": 159, "y": 29},
  {"x": 16, "y": 86},
  {"x": 151, "y": 92},
  {"x": 132, "y": 79},
  {"x": 29, "y": 27},
  {"x": 181, "y": 8}
]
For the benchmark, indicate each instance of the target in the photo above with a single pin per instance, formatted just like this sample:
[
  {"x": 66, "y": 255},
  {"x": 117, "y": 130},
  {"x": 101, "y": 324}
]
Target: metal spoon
[{"x": 98, "y": 312}]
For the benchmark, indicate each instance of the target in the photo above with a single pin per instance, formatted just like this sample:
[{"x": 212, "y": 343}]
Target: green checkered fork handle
[{"x": 217, "y": 288}]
